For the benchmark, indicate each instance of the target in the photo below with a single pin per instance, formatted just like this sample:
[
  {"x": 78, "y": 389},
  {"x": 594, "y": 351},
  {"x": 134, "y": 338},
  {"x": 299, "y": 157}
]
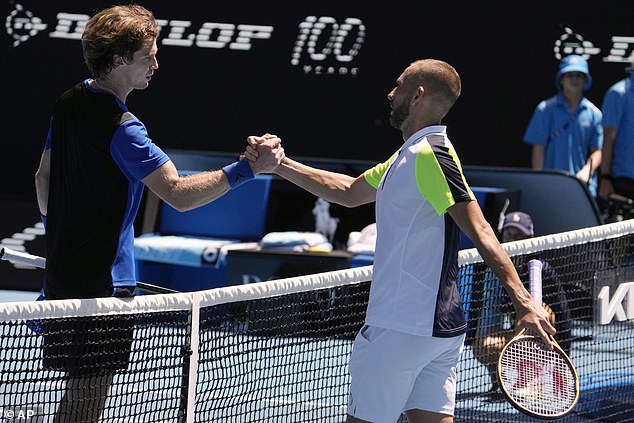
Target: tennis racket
[
  {"x": 537, "y": 381},
  {"x": 37, "y": 261}
]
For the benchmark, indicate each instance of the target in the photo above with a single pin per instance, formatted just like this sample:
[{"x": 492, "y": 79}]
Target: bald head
[{"x": 440, "y": 80}]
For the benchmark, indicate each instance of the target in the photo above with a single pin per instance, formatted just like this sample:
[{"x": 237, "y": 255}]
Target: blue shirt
[
  {"x": 95, "y": 189},
  {"x": 568, "y": 136},
  {"x": 618, "y": 113}
]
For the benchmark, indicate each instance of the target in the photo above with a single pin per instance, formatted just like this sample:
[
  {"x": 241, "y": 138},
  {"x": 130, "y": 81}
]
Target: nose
[
  {"x": 390, "y": 95},
  {"x": 155, "y": 64}
]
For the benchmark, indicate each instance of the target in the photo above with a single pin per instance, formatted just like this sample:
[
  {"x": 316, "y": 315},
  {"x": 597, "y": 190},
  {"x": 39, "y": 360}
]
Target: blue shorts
[{"x": 392, "y": 372}]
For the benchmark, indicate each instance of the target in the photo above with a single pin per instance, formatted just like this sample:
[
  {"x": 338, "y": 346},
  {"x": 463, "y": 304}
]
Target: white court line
[{"x": 269, "y": 401}]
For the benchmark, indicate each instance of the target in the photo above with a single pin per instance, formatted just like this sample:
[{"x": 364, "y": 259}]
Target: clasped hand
[{"x": 265, "y": 153}]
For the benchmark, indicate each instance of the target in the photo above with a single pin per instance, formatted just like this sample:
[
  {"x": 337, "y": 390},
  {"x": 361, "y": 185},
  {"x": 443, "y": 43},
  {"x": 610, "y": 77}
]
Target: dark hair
[{"x": 117, "y": 30}]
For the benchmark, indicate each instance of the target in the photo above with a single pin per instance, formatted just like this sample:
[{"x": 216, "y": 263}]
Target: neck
[
  {"x": 572, "y": 99},
  {"x": 109, "y": 86},
  {"x": 410, "y": 130}
]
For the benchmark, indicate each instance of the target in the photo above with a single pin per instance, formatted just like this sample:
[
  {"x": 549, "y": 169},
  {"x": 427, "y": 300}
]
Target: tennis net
[{"x": 277, "y": 351}]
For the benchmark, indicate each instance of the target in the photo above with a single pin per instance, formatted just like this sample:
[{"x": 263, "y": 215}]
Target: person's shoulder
[
  {"x": 619, "y": 88},
  {"x": 72, "y": 91},
  {"x": 69, "y": 99},
  {"x": 128, "y": 117},
  {"x": 548, "y": 103},
  {"x": 592, "y": 107}
]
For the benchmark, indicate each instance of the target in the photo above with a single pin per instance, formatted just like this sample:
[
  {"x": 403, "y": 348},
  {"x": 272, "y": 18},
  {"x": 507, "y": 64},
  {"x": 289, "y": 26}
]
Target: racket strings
[{"x": 538, "y": 379}]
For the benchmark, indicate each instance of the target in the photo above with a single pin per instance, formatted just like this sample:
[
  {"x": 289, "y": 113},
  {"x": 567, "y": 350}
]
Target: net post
[
  {"x": 193, "y": 358},
  {"x": 190, "y": 365}
]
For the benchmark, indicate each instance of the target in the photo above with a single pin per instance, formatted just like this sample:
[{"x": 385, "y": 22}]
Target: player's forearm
[
  {"x": 520, "y": 297},
  {"x": 192, "y": 191},
  {"x": 186, "y": 192},
  {"x": 499, "y": 261},
  {"x": 469, "y": 218},
  {"x": 331, "y": 186}
]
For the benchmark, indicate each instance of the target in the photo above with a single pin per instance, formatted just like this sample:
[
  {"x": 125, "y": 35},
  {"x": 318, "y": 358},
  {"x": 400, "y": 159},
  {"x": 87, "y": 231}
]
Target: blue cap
[
  {"x": 519, "y": 220},
  {"x": 574, "y": 63}
]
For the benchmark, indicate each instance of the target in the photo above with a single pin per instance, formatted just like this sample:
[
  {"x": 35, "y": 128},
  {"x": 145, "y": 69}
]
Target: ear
[
  {"x": 419, "y": 94},
  {"x": 117, "y": 60}
]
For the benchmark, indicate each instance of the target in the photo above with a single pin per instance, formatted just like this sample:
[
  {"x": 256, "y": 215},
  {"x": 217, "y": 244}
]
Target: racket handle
[
  {"x": 535, "y": 280},
  {"x": 22, "y": 258}
]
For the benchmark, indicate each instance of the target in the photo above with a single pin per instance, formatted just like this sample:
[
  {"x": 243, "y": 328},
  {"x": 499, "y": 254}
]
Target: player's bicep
[
  {"x": 44, "y": 168},
  {"x": 162, "y": 180},
  {"x": 361, "y": 191},
  {"x": 42, "y": 177},
  {"x": 134, "y": 152},
  {"x": 469, "y": 218}
]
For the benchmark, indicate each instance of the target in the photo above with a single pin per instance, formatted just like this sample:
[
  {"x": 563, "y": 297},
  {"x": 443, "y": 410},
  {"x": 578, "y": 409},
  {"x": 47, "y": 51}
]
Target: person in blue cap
[
  {"x": 565, "y": 131},
  {"x": 617, "y": 169}
]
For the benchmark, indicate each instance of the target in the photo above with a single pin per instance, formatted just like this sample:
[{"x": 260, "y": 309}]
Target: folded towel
[
  {"x": 182, "y": 250},
  {"x": 363, "y": 242},
  {"x": 295, "y": 241}
]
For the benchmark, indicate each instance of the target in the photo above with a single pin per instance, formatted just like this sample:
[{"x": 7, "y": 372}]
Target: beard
[{"x": 399, "y": 113}]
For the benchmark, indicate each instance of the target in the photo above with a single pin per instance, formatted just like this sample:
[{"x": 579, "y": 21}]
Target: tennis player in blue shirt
[{"x": 96, "y": 161}]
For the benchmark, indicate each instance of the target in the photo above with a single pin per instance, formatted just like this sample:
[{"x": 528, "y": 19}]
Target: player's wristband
[
  {"x": 43, "y": 220},
  {"x": 238, "y": 173}
]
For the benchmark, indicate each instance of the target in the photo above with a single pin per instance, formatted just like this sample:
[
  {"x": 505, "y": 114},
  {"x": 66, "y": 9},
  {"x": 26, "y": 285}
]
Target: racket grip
[
  {"x": 535, "y": 280},
  {"x": 22, "y": 258}
]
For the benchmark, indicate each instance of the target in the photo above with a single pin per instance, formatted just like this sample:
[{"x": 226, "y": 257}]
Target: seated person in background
[{"x": 494, "y": 326}]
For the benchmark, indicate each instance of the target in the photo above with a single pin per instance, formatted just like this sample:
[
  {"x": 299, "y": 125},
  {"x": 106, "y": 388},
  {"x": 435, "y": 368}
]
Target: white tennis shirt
[{"x": 414, "y": 288}]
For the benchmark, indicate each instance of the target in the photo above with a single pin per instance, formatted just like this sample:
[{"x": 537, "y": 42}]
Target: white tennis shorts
[{"x": 393, "y": 371}]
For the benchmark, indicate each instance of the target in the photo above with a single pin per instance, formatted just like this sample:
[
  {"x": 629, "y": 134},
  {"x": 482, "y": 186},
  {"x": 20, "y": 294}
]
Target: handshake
[{"x": 264, "y": 153}]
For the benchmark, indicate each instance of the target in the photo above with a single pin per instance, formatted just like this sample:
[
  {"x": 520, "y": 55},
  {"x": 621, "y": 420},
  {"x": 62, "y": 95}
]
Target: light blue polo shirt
[
  {"x": 618, "y": 112},
  {"x": 567, "y": 136}
]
